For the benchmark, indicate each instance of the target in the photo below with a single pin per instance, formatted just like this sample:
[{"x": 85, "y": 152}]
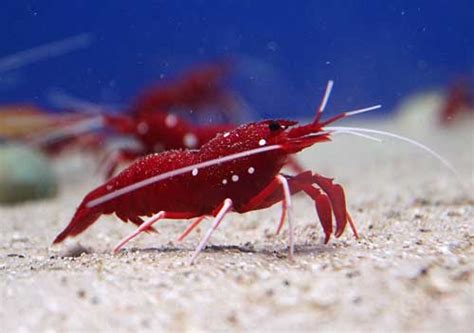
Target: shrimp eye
[{"x": 274, "y": 126}]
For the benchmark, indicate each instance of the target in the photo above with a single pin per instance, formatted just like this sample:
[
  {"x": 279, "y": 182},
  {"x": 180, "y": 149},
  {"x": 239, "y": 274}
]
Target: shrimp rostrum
[{"x": 237, "y": 171}]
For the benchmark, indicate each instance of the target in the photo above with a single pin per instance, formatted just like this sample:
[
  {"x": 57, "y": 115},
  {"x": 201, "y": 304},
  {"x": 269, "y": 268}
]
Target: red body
[{"x": 201, "y": 191}]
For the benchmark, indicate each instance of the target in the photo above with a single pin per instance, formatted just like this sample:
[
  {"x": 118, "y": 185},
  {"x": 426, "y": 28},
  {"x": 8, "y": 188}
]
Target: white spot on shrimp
[
  {"x": 251, "y": 170},
  {"x": 195, "y": 172},
  {"x": 109, "y": 187},
  {"x": 171, "y": 120},
  {"x": 224, "y": 181},
  {"x": 235, "y": 178},
  {"x": 190, "y": 140},
  {"x": 142, "y": 128},
  {"x": 262, "y": 142},
  {"x": 226, "y": 134}
]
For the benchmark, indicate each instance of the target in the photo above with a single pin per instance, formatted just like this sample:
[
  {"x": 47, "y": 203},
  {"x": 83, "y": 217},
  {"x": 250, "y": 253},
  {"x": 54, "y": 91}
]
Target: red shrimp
[
  {"x": 238, "y": 171},
  {"x": 459, "y": 101},
  {"x": 153, "y": 124},
  {"x": 154, "y": 120}
]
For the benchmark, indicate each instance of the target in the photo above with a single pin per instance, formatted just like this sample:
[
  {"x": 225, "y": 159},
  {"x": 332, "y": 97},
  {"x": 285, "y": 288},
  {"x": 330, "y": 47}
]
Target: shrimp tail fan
[{"x": 82, "y": 219}]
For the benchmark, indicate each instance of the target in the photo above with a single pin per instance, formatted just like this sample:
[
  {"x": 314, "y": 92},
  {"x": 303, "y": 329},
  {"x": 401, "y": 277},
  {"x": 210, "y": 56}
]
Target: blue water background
[{"x": 376, "y": 51}]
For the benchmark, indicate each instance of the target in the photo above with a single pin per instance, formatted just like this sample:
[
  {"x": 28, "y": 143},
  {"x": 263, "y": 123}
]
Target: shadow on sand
[{"x": 246, "y": 248}]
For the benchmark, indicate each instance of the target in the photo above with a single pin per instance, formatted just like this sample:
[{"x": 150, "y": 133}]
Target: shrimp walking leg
[
  {"x": 226, "y": 207},
  {"x": 352, "y": 225},
  {"x": 191, "y": 227},
  {"x": 287, "y": 208},
  {"x": 155, "y": 218}
]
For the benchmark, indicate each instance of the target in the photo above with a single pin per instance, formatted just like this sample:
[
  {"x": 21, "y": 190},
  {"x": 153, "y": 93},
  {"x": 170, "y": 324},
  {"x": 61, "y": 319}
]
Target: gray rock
[{"x": 25, "y": 174}]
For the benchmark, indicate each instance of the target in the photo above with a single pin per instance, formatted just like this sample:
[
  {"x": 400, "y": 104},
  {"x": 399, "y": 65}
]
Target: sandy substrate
[{"x": 412, "y": 269}]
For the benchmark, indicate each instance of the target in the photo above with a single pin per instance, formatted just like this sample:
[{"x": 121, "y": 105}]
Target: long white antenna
[
  {"x": 399, "y": 137},
  {"x": 370, "y": 108},
  {"x": 45, "y": 51},
  {"x": 325, "y": 99},
  {"x": 365, "y": 136}
]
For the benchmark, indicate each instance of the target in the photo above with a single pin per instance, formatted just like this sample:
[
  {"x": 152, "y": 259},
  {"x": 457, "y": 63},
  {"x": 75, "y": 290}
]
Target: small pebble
[
  {"x": 25, "y": 175},
  {"x": 74, "y": 251}
]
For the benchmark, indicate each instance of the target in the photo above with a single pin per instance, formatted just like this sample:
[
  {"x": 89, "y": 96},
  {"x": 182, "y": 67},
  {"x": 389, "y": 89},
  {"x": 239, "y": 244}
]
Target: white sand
[{"x": 411, "y": 270}]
